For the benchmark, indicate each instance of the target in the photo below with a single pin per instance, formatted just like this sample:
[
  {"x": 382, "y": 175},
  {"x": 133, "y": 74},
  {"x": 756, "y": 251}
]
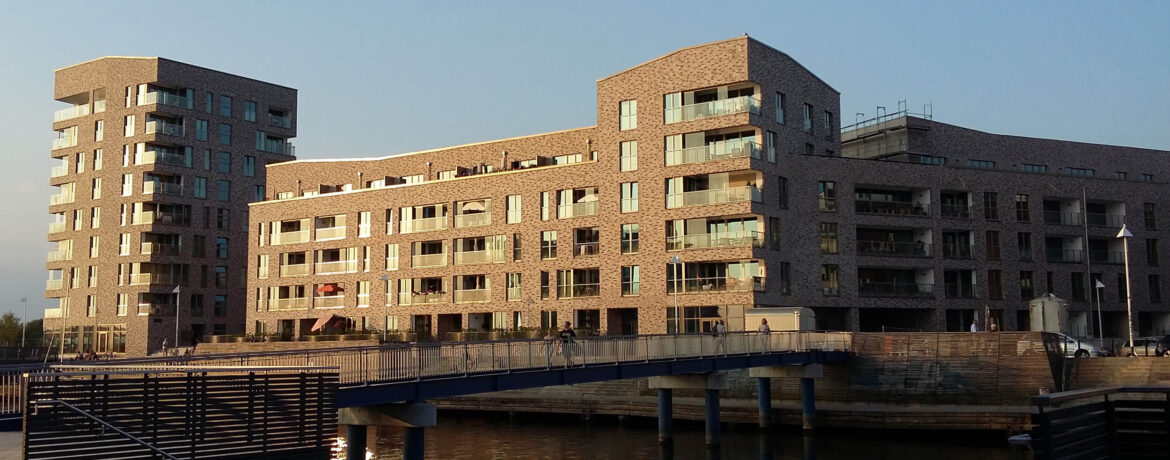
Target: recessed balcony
[
  {"x": 58, "y": 171},
  {"x": 161, "y": 155},
  {"x": 472, "y": 295},
  {"x": 57, "y": 227},
  {"x": 165, "y": 98},
  {"x": 158, "y": 126},
  {"x": 329, "y": 301},
  {"x": 715, "y": 240},
  {"x": 582, "y": 209},
  {"x": 337, "y": 266},
  {"x": 428, "y": 260},
  {"x": 292, "y": 303},
  {"x": 428, "y": 224},
  {"x": 473, "y": 220},
  {"x": 71, "y": 112},
  {"x": 721, "y": 196},
  {"x": 152, "y": 278},
  {"x": 295, "y": 270}
]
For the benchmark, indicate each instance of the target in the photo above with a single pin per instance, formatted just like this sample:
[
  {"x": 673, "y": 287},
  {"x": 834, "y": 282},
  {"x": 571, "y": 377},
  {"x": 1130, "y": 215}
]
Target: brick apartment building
[
  {"x": 158, "y": 162},
  {"x": 730, "y": 157}
]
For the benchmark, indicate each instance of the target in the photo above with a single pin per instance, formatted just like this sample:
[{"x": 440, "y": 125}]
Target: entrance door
[{"x": 103, "y": 342}]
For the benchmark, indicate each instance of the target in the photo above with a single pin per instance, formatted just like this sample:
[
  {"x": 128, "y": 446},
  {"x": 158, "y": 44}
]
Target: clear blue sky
[{"x": 391, "y": 77}]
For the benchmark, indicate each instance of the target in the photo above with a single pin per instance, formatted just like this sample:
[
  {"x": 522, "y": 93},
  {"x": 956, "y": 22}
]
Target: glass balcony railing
[
  {"x": 55, "y": 227},
  {"x": 295, "y": 270},
  {"x": 1062, "y": 218},
  {"x": 157, "y": 309},
  {"x": 715, "y": 284},
  {"x": 473, "y": 295},
  {"x": 53, "y": 313},
  {"x": 164, "y": 188},
  {"x": 576, "y": 291},
  {"x": 714, "y": 152},
  {"x": 1107, "y": 257},
  {"x": 895, "y": 290},
  {"x": 1058, "y": 255},
  {"x": 720, "y": 196},
  {"x": 293, "y": 237},
  {"x": 428, "y": 260},
  {"x": 277, "y": 146},
  {"x": 586, "y": 249},
  {"x": 419, "y": 298},
  {"x": 893, "y": 248},
  {"x": 160, "y": 217},
  {"x": 714, "y": 240},
  {"x": 473, "y": 220},
  {"x": 160, "y": 248},
  {"x": 292, "y": 303},
  {"x": 588, "y": 208},
  {"x": 60, "y": 198},
  {"x": 58, "y": 255},
  {"x": 281, "y": 121},
  {"x": 478, "y": 257},
  {"x": 58, "y": 171},
  {"x": 330, "y": 233},
  {"x": 329, "y": 301},
  {"x": 338, "y": 266},
  {"x": 64, "y": 142},
  {"x": 99, "y": 106},
  {"x": 161, "y": 97},
  {"x": 958, "y": 251},
  {"x": 897, "y": 208},
  {"x": 151, "y": 278},
  {"x": 163, "y": 156},
  {"x": 424, "y": 225},
  {"x": 959, "y": 291},
  {"x": 71, "y": 112},
  {"x": 53, "y": 285},
  {"x": 956, "y": 211},
  {"x": 720, "y": 107},
  {"x": 162, "y": 127}
]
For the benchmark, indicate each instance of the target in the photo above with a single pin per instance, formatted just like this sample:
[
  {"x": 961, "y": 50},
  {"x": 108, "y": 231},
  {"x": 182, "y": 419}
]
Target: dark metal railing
[{"x": 1111, "y": 422}]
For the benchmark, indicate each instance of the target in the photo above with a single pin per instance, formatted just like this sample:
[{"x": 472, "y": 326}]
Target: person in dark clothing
[{"x": 567, "y": 334}]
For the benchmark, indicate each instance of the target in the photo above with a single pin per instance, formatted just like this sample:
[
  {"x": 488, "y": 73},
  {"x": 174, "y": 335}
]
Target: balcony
[
  {"x": 152, "y": 278},
  {"x": 164, "y": 127},
  {"x": 276, "y": 146},
  {"x": 99, "y": 106},
  {"x": 959, "y": 291},
  {"x": 157, "y": 309},
  {"x": 59, "y": 254},
  {"x": 164, "y": 188},
  {"x": 71, "y": 112},
  {"x": 721, "y": 196},
  {"x": 956, "y": 211},
  {"x": 957, "y": 251},
  {"x": 160, "y": 217},
  {"x": 54, "y": 313},
  {"x": 473, "y": 295},
  {"x": 720, "y": 107},
  {"x": 1062, "y": 218},
  {"x": 53, "y": 285},
  {"x": 1105, "y": 220},
  {"x": 895, "y": 290},
  {"x": 577, "y": 291},
  {"x": 338, "y": 266},
  {"x": 1058, "y": 255},
  {"x": 291, "y": 303},
  {"x": 583, "y": 209},
  {"x": 428, "y": 260},
  {"x": 165, "y": 98},
  {"x": 428, "y": 224},
  {"x": 329, "y": 301},
  {"x": 283, "y": 121},
  {"x": 473, "y": 220},
  {"x": 478, "y": 257},
  {"x": 718, "y": 151},
  {"x": 586, "y": 249},
  {"x": 716, "y": 284},
  {"x": 330, "y": 233},
  {"x": 714, "y": 240},
  {"x": 295, "y": 270},
  {"x": 60, "y": 198},
  {"x": 169, "y": 249},
  {"x": 58, "y": 171},
  {"x": 164, "y": 156},
  {"x": 421, "y": 298},
  {"x": 1107, "y": 257},
  {"x": 893, "y": 248},
  {"x": 293, "y": 237},
  {"x": 56, "y": 227},
  {"x": 895, "y": 208}
]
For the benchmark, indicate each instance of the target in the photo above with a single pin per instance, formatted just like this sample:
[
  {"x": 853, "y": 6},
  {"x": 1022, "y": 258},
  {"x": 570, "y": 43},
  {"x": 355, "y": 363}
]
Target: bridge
[{"x": 389, "y": 384}]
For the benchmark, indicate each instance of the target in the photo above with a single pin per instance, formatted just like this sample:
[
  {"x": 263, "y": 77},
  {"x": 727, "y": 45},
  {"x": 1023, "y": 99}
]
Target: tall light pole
[
  {"x": 178, "y": 300},
  {"x": 386, "y": 321},
  {"x": 1124, "y": 234},
  {"x": 1100, "y": 326},
  {"x": 24, "y": 322},
  {"x": 675, "y": 263}
]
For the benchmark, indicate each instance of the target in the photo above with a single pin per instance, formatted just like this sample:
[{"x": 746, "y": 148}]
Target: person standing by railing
[
  {"x": 549, "y": 344},
  {"x": 765, "y": 333},
  {"x": 720, "y": 333},
  {"x": 567, "y": 335}
]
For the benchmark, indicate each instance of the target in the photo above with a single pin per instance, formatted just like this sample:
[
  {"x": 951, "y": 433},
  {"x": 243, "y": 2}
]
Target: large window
[
  {"x": 548, "y": 244},
  {"x": 807, "y": 126},
  {"x": 780, "y": 108},
  {"x": 828, "y": 238},
  {"x": 223, "y": 190},
  {"x": 631, "y": 280},
  {"x": 629, "y": 156},
  {"x": 829, "y": 282},
  {"x": 629, "y": 197},
  {"x": 629, "y": 238},
  {"x": 1023, "y": 213},
  {"x": 200, "y": 130},
  {"x": 827, "y": 196},
  {"x": 991, "y": 206},
  {"x": 629, "y": 115},
  {"x": 225, "y": 106},
  {"x": 513, "y": 206},
  {"x": 225, "y": 134}
]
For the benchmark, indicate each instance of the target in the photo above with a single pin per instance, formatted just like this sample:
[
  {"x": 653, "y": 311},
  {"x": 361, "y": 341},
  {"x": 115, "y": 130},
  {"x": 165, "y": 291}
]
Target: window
[
  {"x": 629, "y": 238},
  {"x": 127, "y": 184},
  {"x": 129, "y": 129},
  {"x": 629, "y": 197},
  {"x": 99, "y": 130},
  {"x": 200, "y": 130},
  {"x": 1150, "y": 215},
  {"x": 225, "y": 134},
  {"x": 1122, "y": 289},
  {"x": 991, "y": 206},
  {"x": 631, "y": 280},
  {"x": 207, "y": 159},
  {"x": 827, "y": 196},
  {"x": 224, "y": 162},
  {"x": 1027, "y": 289},
  {"x": 770, "y": 146},
  {"x": 128, "y": 96},
  {"x": 219, "y": 308},
  {"x": 780, "y": 108},
  {"x": 250, "y": 110},
  {"x": 827, "y": 122},
  {"x": 93, "y": 247},
  {"x": 78, "y": 219},
  {"x": 810, "y": 149},
  {"x": 364, "y": 218},
  {"x": 1024, "y": 245},
  {"x": 1152, "y": 252},
  {"x": 1147, "y": 177},
  {"x": 829, "y": 283},
  {"x": 1155, "y": 289},
  {"x": 97, "y": 188},
  {"x": 225, "y": 106},
  {"x": 995, "y": 285},
  {"x": 221, "y": 248},
  {"x": 544, "y": 292},
  {"x": 544, "y": 205},
  {"x": 993, "y": 252},
  {"x": 629, "y": 156},
  {"x": 671, "y": 108},
  {"x": 262, "y": 266},
  {"x": 807, "y": 126},
  {"x": 95, "y": 217},
  {"x": 1119, "y": 175},
  {"x": 1023, "y": 213},
  {"x": 1030, "y": 168},
  {"x": 774, "y": 232},
  {"x": 258, "y": 195},
  {"x": 97, "y": 159},
  {"x": 981, "y": 164},
  {"x": 1077, "y": 282},
  {"x": 123, "y": 303},
  {"x": 785, "y": 278},
  {"x": 515, "y": 291},
  {"x": 828, "y": 238},
  {"x": 221, "y": 276},
  {"x": 249, "y": 166},
  {"x": 124, "y": 244},
  {"x": 392, "y": 256},
  {"x": 513, "y": 206},
  {"x": 222, "y": 218},
  {"x": 629, "y": 115},
  {"x": 79, "y": 163},
  {"x": 1079, "y": 172},
  {"x": 223, "y": 190},
  {"x": 207, "y": 103},
  {"x": 517, "y": 247},
  {"x": 782, "y": 192},
  {"x": 200, "y": 187},
  {"x": 548, "y": 244}
]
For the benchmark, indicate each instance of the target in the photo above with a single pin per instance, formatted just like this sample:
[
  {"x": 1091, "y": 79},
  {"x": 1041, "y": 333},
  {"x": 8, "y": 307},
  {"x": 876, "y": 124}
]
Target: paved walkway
[{"x": 10, "y": 445}]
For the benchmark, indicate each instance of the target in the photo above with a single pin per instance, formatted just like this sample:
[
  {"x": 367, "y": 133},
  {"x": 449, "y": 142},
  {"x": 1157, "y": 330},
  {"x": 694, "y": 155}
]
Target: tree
[
  {"x": 9, "y": 330},
  {"x": 36, "y": 333}
]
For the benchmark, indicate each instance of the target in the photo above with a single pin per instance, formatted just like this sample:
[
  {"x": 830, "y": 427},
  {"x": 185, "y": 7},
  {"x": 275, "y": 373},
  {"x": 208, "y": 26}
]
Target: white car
[{"x": 1077, "y": 348}]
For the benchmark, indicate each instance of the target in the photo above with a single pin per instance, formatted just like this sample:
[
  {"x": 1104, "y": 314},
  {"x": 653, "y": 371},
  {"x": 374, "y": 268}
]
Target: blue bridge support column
[
  {"x": 665, "y": 415},
  {"x": 413, "y": 416},
  {"x": 764, "y": 390},
  {"x": 711, "y": 383},
  {"x": 807, "y": 373}
]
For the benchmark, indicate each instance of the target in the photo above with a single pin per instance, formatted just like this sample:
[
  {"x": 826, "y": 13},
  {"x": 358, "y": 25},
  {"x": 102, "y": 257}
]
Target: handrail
[
  {"x": 1056, "y": 399},
  {"x": 105, "y": 424}
]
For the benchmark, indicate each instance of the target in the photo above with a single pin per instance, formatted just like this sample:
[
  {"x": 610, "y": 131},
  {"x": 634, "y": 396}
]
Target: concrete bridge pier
[
  {"x": 665, "y": 414},
  {"x": 807, "y": 373},
  {"x": 413, "y": 416},
  {"x": 710, "y": 383},
  {"x": 764, "y": 391}
]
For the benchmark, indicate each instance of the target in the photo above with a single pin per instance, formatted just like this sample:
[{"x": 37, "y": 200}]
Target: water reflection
[{"x": 486, "y": 436}]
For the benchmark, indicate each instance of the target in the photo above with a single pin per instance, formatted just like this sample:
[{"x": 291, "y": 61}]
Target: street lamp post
[
  {"x": 24, "y": 322},
  {"x": 1124, "y": 234},
  {"x": 675, "y": 263},
  {"x": 386, "y": 321},
  {"x": 1100, "y": 326},
  {"x": 178, "y": 299}
]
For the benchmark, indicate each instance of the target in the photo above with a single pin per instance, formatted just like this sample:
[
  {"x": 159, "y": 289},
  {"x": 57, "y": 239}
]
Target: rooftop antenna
[
  {"x": 902, "y": 106},
  {"x": 879, "y": 112},
  {"x": 857, "y": 118},
  {"x": 928, "y": 110}
]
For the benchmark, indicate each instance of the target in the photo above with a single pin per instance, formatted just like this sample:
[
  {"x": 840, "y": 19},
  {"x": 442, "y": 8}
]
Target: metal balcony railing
[
  {"x": 893, "y": 248},
  {"x": 1107, "y": 257},
  {"x": 959, "y": 291},
  {"x": 473, "y": 220},
  {"x": 1105, "y": 220},
  {"x": 897, "y": 208},
  {"x": 895, "y": 290},
  {"x": 1058, "y": 255},
  {"x": 473, "y": 295},
  {"x": 958, "y": 251},
  {"x": 956, "y": 211},
  {"x": 1062, "y": 218},
  {"x": 715, "y": 240}
]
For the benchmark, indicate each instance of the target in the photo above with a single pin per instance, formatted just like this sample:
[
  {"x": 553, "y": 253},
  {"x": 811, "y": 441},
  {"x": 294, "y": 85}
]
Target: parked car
[
  {"x": 1077, "y": 348},
  {"x": 1142, "y": 346},
  {"x": 1162, "y": 347}
]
